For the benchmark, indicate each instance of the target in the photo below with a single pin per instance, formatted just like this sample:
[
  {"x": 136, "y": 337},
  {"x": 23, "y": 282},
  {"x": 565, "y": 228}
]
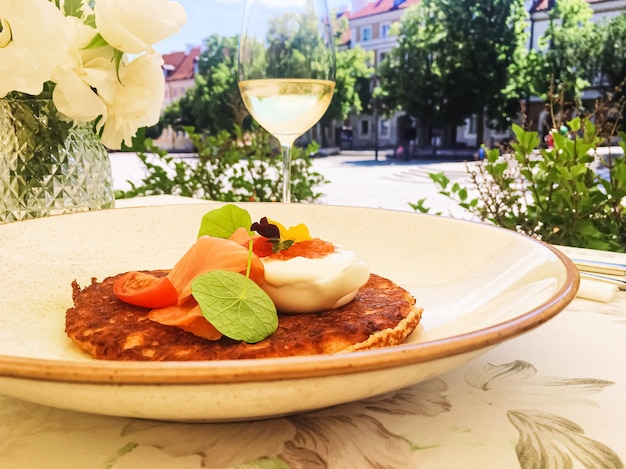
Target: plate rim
[{"x": 287, "y": 368}]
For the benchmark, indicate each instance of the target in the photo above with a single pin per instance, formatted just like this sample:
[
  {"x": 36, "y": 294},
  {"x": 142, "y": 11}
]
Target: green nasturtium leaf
[
  {"x": 222, "y": 222},
  {"x": 235, "y": 305}
]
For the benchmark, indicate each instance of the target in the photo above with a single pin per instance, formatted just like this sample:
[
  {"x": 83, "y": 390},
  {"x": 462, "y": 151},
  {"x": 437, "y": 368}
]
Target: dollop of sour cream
[{"x": 303, "y": 285}]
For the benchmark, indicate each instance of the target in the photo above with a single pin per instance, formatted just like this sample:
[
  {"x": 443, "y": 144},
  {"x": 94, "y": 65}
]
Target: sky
[
  {"x": 204, "y": 18},
  {"x": 207, "y": 17}
]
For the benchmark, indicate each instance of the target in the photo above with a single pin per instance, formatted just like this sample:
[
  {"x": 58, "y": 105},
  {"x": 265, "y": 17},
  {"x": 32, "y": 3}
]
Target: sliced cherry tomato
[
  {"x": 262, "y": 247},
  {"x": 141, "y": 289}
]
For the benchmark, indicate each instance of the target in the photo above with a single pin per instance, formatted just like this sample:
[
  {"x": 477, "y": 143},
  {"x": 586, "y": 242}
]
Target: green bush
[
  {"x": 551, "y": 194},
  {"x": 228, "y": 170}
]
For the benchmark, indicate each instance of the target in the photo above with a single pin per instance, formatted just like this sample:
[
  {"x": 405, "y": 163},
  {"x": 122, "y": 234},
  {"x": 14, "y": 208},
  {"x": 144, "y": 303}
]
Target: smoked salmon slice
[
  {"x": 241, "y": 236},
  {"x": 187, "y": 317},
  {"x": 209, "y": 253},
  {"x": 180, "y": 309}
]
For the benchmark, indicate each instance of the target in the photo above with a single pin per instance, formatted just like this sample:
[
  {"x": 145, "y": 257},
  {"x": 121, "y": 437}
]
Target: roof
[
  {"x": 544, "y": 5},
  {"x": 382, "y": 6},
  {"x": 181, "y": 65}
]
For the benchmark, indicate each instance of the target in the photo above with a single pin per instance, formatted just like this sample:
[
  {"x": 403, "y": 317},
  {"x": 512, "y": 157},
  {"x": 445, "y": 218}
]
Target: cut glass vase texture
[{"x": 49, "y": 166}]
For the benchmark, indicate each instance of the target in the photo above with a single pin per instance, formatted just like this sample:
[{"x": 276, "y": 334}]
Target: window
[
  {"x": 168, "y": 69},
  {"x": 366, "y": 33},
  {"x": 384, "y": 29},
  {"x": 383, "y": 125},
  {"x": 365, "y": 128},
  {"x": 381, "y": 56}
]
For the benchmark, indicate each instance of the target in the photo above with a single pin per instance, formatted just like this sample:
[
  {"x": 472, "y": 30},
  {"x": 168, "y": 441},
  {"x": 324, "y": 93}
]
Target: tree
[
  {"x": 214, "y": 103},
  {"x": 454, "y": 60},
  {"x": 351, "y": 65},
  {"x": 612, "y": 55},
  {"x": 350, "y": 94},
  {"x": 612, "y": 68},
  {"x": 490, "y": 39},
  {"x": 352, "y": 77},
  {"x": 312, "y": 59},
  {"x": 410, "y": 77},
  {"x": 566, "y": 61}
]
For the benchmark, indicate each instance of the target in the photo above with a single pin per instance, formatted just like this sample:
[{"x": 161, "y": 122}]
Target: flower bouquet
[{"x": 75, "y": 76}]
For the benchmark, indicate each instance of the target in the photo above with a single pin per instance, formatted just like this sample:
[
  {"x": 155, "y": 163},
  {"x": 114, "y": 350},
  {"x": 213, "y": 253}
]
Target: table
[{"x": 551, "y": 398}]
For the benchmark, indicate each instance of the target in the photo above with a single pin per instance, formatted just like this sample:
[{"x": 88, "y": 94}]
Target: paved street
[{"x": 356, "y": 179}]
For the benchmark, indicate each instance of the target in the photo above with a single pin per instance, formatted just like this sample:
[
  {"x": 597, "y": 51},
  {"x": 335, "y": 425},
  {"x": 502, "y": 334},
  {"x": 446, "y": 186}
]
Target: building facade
[
  {"x": 538, "y": 15},
  {"x": 370, "y": 28},
  {"x": 179, "y": 69}
]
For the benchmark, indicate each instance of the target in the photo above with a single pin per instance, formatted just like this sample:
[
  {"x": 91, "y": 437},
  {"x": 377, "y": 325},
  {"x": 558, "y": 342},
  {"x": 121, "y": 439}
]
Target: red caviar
[{"x": 312, "y": 249}]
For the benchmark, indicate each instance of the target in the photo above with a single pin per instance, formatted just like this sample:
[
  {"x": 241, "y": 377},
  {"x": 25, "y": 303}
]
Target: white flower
[
  {"x": 85, "y": 71},
  {"x": 135, "y": 100},
  {"x": 32, "y": 42},
  {"x": 84, "y": 57},
  {"x": 134, "y": 26}
]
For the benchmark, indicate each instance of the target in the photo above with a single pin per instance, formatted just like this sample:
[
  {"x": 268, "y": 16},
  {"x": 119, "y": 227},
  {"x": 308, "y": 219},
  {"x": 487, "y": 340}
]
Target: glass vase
[{"x": 49, "y": 166}]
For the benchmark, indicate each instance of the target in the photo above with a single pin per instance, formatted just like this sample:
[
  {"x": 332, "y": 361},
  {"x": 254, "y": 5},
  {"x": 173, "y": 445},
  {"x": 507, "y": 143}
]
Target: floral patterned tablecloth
[{"x": 552, "y": 398}]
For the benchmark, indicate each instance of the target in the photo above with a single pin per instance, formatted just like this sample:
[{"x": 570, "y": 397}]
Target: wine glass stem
[{"x": 286, "y": 151}]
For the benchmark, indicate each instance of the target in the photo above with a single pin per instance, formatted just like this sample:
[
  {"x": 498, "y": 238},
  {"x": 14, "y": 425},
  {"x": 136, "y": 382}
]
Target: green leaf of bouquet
[
  {"x": 235, "y": 305},
  {"x": 90, "y": 20},
  {"x": 222, "y": 222},
  {"x": 96, "y": 42},
  {"x": 72, "y": 8},
  {"x": 118, "y": 55}
]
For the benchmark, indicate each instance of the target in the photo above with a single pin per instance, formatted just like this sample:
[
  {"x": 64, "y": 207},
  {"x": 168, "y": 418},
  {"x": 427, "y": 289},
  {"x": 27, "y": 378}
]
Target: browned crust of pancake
[{"x": 382, "y": 314}]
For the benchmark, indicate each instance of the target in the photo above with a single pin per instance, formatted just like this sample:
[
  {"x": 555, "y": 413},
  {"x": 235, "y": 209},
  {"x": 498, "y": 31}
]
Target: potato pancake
[{"x": 382, "y": 314}]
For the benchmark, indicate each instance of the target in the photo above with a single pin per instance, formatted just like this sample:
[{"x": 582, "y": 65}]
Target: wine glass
[{"x": 286, "y": 69}]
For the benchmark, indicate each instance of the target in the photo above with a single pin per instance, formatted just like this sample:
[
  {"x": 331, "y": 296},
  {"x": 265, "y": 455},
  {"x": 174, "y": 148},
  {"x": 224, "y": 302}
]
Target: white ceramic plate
[{"x": 479, "y": 285}]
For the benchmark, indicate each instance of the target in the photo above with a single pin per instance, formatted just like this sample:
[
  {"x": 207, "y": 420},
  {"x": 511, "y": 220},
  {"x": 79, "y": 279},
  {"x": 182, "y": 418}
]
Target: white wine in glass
[{"x": 286, "y": 69}]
